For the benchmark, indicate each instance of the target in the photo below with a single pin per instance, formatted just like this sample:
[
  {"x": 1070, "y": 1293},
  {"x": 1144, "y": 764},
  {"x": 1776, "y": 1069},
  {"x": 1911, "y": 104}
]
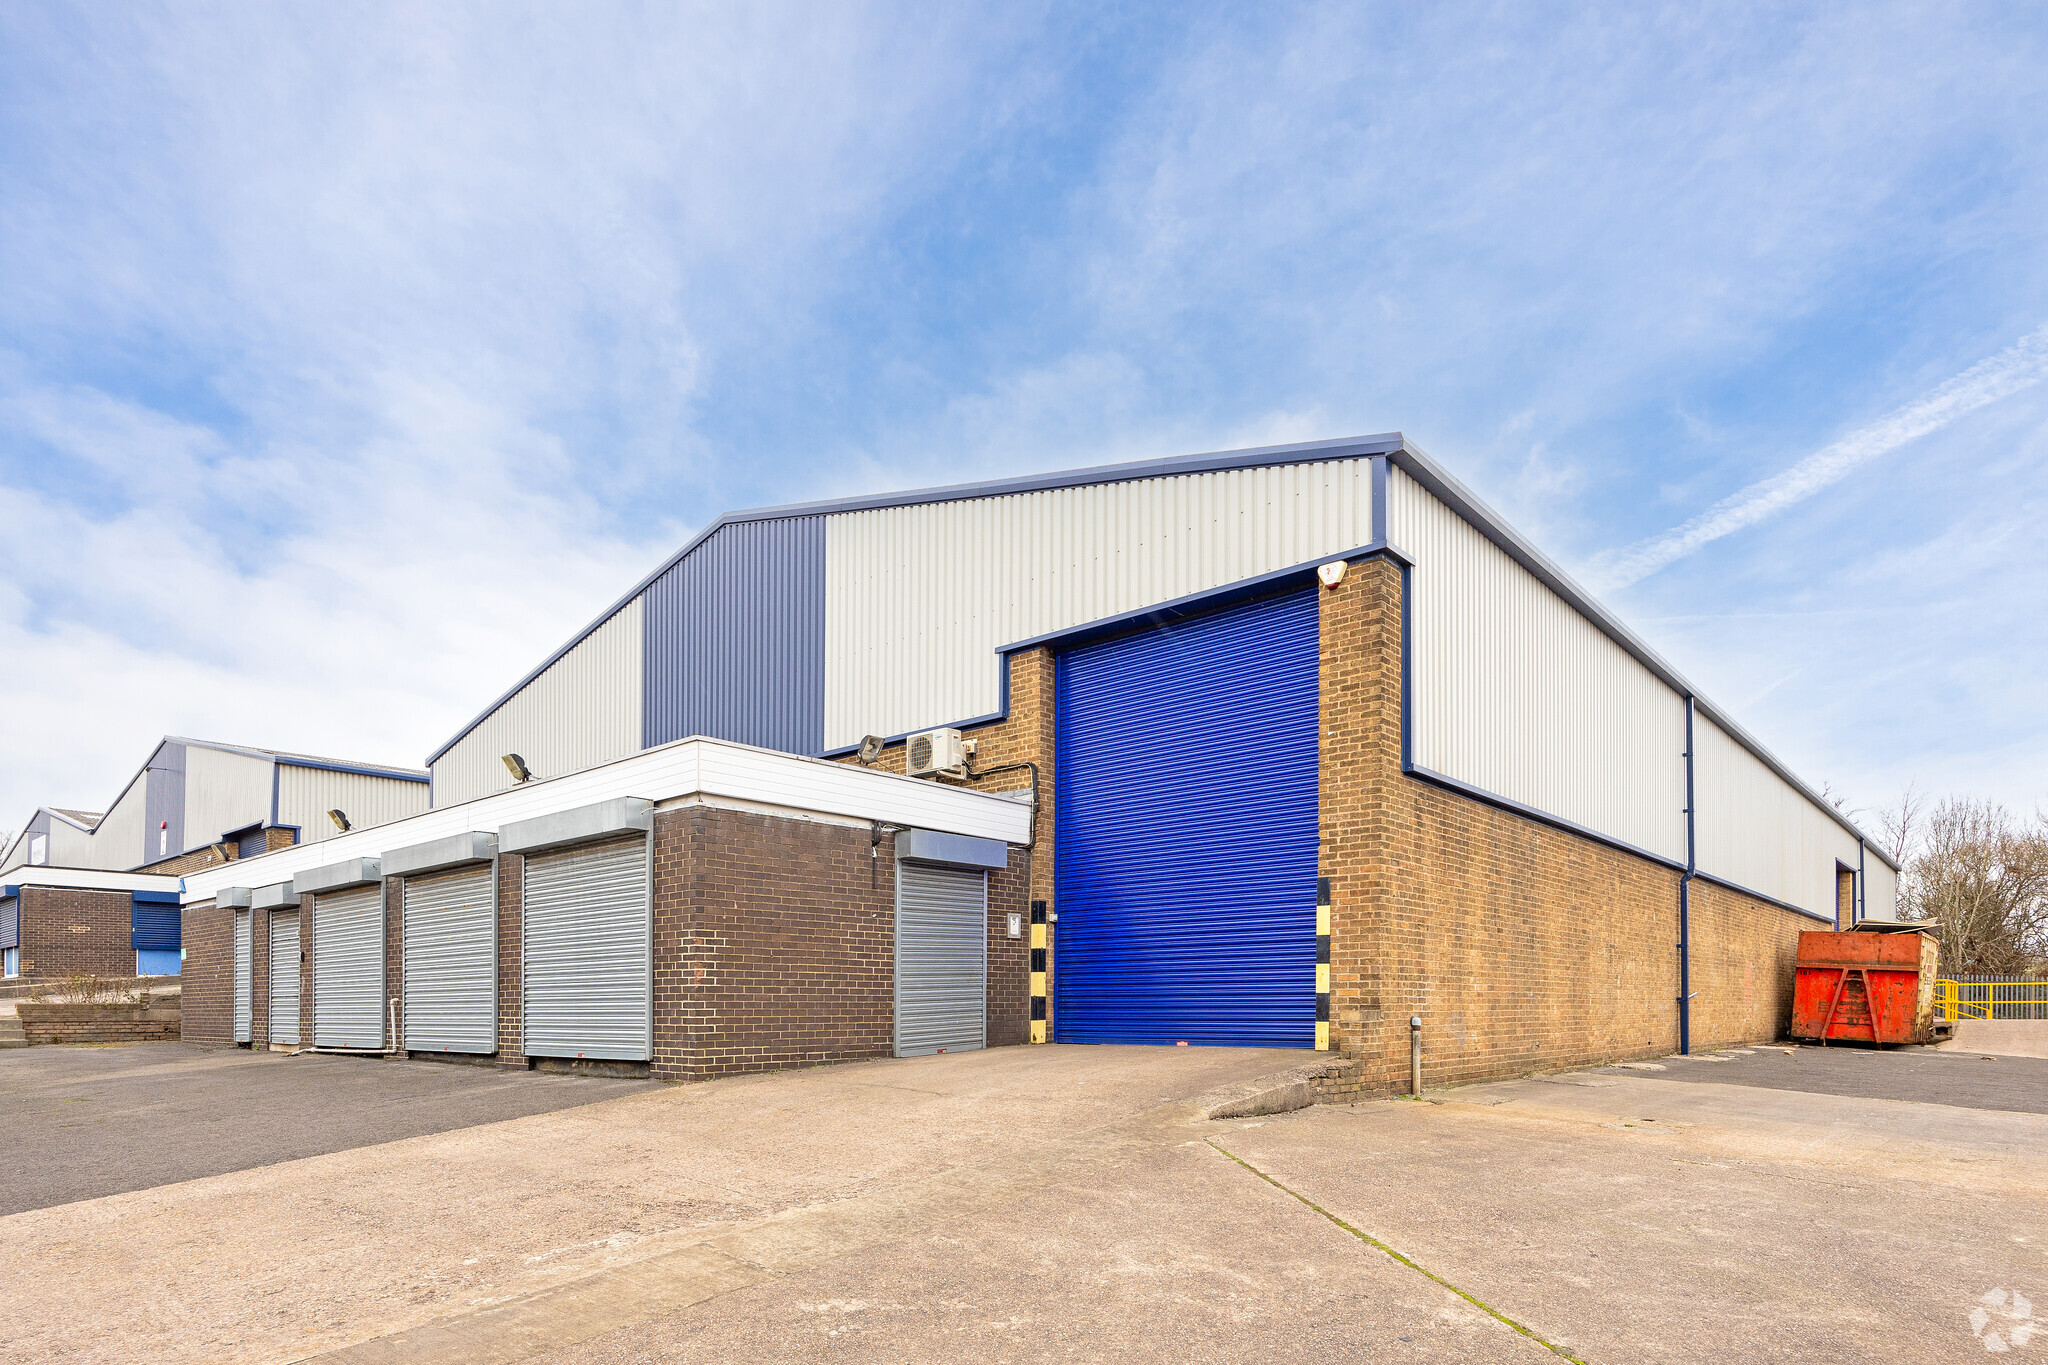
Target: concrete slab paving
[
  {"x": 1641, "y": 1219},
  {"x": 287, "y": 1260},
  {"x": 83, "y": 1122}
]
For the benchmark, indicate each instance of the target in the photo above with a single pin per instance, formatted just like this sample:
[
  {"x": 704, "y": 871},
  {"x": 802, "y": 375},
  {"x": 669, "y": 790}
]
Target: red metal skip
[{"x": 1863, "y": 987}]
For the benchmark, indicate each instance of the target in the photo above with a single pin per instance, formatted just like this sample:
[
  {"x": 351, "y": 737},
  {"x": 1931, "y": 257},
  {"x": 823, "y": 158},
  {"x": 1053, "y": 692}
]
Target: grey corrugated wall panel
[
  {"x": 284, "y": 979},
  {"x": 451, "y": 962},
  {"x": 735, "y": 639},
  {"x": 941, "y": 960},
  {"x": 348, "y": 969},
  {"x": 163, "y": 834},
  {"x": 588, "y": 980},
  {"x": 243, "y": 983}
]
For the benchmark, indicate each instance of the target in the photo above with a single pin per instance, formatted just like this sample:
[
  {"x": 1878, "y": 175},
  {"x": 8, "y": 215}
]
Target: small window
[{"x": 11, "y": 966}]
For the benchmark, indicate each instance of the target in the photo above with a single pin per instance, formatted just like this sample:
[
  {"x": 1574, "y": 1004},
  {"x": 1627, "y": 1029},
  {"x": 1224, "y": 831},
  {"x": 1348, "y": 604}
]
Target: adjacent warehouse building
[
  {"x": 1439, "y": 779},
  {"x": 699, "y": 909},
  {"x": 192, "y": 804}
]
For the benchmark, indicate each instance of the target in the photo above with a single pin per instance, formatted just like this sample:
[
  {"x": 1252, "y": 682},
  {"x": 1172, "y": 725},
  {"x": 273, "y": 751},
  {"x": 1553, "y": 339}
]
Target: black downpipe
[{"x": 1685, "y": 902}]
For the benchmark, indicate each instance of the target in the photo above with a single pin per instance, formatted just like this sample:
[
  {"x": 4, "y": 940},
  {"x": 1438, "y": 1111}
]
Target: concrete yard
[{"x": 1065, "y": 1203}]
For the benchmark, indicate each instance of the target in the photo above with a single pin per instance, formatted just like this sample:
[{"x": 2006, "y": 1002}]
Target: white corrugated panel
[
  {"x": 117, "y": 839},
  {"x": 284, "y": 979},
  {"x": 243, "y": 984},
  {"x": 941, "y": 960},
  {"x": 918, "y": 598},
  {"x": 305, "y": 795},
  {"x": 224, "y": 791},
  {"x": 1757, "y": 831},
  {"x": 588, "y": 953},
  {"x": 451, "y": 962},
  {"x": 1518, "y": 694},
  {"x": 710, "y": 768},
  {"x": 70, "y": 846},
  {"x": 584, "y": 709},
  {"x": 348, "y": 969},
  {"x": 1880, "y": 889}
]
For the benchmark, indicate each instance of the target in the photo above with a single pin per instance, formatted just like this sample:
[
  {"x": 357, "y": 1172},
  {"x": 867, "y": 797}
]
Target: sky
[{"x": 352, "y": 357}]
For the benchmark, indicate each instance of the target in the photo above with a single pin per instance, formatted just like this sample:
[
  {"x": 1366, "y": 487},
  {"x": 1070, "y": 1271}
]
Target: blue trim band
[{"x": 156, "y": 897}]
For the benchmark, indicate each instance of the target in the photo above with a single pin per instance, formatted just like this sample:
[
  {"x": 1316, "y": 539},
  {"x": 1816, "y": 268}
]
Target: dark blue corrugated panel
[
  {"x": 10, "y": 923},
  {"x": 155, "y": 927},
  {"x": 735, "y": 639},
  {"x": 1185, "y": 832},
  {"x": 249, "y": 843}
]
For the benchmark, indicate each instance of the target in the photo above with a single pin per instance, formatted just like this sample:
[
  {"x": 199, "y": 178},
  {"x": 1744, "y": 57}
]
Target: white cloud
[{"x": 2020, "y": 366}]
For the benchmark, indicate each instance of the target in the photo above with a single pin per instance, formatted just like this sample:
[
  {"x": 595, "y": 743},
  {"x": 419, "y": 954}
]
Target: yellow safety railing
[{"x": 1955, "y": 1000}]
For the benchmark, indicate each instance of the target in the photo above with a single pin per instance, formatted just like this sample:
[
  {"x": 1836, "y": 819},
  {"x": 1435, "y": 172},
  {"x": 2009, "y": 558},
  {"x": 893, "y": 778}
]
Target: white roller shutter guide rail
[
  {"x": 587, "y": 953},
  {"x": 451, "y": 962},
  {"x": 348, "y": 969},
  {"x": 941, "y": 960},
  {"x": 284, "y": 979},
  {"x": 243, "y": 983}
]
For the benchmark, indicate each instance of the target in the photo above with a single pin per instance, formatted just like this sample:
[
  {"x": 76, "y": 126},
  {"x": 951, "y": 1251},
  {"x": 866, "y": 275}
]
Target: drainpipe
[
  {"x": 1857, "y": 906},
  {"x": 1685, "y": 900}
]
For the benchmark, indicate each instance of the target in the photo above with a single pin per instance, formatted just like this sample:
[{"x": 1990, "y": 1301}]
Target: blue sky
[{"x": 351, "y": 357}]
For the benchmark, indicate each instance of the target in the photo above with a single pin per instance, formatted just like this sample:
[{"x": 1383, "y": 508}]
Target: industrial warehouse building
[
  {"x": 1318, "y": 743},
  {"x": 99, "y": 892}
]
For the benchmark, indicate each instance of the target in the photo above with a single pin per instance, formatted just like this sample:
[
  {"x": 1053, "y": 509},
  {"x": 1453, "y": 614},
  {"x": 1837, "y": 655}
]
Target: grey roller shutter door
[
  {"x": 588, "y": 979},
  {"x": 348, "y": 969},
  {"x": 242, "y": 982},
  {"x": 451, "y": 963},
  {"x": 941, "y": 960},
  {"x": 284, "y": 979}
]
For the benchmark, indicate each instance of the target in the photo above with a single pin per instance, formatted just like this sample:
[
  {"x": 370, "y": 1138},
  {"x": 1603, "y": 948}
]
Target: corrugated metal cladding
[
  {"x": 305, "y": 795},
  {"x": 585, "y": 709},
  {"x": 735, "y": 638},
  {"x": 251, "y": 843},
  {"x": 348, "y": 969},
  {"x": 1518, "y": 694},
  {"x": 223, "y": 791},
  {"x": 1880, "y": 890},
  {"x": 941, "y": 960},
  {"x": 1185, "y": 810},
  {"x": 1757, "y": 831},
  {"x": 10, "y": 923},
  {"x": 284, "y": 979},
  {"x": 588, "y": 954},
  {"x": 451, "y": 962},
  {"x": 244, "y": 986},
  {"x": 918, "y": 598},
  {"x": 117, "y": 839},
  {"x": 166, "y": 789}
]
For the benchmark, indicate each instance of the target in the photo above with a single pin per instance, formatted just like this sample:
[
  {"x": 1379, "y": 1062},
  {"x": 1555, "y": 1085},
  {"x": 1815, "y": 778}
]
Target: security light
[
  {"x": 517, "y": 766},
  {"x": 340, "y": 820},
  {"x": 870, "y": 749},
  {"x": 220, "y": 850}
]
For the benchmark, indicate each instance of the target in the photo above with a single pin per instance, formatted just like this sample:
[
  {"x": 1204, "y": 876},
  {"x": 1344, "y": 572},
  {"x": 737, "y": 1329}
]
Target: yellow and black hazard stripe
[
  {"x": 1038, "y": 973},
  {"x": 1322, "y": 964}
]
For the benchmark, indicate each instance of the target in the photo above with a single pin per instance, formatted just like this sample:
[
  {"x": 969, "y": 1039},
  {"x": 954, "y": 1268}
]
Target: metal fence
[{"x": 1991, "y": 997}]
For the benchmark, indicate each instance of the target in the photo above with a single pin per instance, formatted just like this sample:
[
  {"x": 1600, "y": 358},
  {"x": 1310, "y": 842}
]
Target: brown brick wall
[
  {"x": 186, "y": 862},
  {"x": 42, "y": 1024},
  {"x": 394, "y": 958},
  {"x": 1522, "y": 947},
  {"x": 68, "y": 932},
  {"x": 207, "y": 982},
  {"x": 259, "y": 978},
  {"x": 511, "y": 982},
  {"x": 774, "y": 944}
]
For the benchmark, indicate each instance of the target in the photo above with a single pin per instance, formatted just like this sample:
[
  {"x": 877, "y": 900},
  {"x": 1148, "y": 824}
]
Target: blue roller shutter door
[{"x": 1185, "y": 832}]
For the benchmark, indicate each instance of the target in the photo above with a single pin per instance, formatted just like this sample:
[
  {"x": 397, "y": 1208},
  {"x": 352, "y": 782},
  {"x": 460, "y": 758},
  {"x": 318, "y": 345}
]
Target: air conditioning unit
[{"x": 932, "y": 752}]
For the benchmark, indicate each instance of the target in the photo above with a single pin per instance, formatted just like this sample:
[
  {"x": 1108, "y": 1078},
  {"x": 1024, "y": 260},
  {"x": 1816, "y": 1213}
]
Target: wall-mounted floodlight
[
  {"x": 870, "y": 750},
  {"x": 340, "y": 819},
  {"x": 220, "y": 851},
  {"x": 517, "y": 767}
]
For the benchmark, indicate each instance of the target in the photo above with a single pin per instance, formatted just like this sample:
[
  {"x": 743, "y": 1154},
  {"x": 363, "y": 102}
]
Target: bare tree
[
  {"x": 1899, "y": 824},
  {"x": 1983, "y": 876}
]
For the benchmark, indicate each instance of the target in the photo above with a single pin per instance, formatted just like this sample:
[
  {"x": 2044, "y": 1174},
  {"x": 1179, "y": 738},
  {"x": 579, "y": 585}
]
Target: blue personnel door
[{"x": 1185, "y": 832}]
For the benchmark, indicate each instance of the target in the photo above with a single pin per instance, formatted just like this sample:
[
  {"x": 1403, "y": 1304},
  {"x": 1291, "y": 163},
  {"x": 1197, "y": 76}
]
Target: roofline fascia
[
  {"x": 1300, "y": 452},
  {"x": 1489, "y": 523}
]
